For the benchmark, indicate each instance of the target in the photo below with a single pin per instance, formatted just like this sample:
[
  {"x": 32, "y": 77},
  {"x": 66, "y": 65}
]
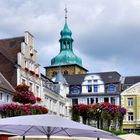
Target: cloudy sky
[{"x": 106, "y": 33}]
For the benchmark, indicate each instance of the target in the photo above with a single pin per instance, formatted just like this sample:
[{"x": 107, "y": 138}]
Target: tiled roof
[
  {"x": 132, "y": 80},
  {"x": 5, "y": 85},
  {"x": 110, "y": 77},
  {"x": 107, "y": 77},
  {"x": 8, "y": 58},
  {"x": 10, "y": 47}
]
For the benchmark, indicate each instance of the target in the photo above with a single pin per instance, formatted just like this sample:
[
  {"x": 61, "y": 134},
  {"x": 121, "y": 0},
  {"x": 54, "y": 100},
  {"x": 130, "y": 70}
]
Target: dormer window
[
  {"x": 111, "y": 88},
  {"x": 89, "y": 81},
  {"x": 75, "y": 90},
  {"x": 95, "y": 81}
]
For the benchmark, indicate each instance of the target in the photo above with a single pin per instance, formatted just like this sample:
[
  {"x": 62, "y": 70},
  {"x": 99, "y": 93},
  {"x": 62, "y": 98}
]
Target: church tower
[{"x": 66, "y": 59}]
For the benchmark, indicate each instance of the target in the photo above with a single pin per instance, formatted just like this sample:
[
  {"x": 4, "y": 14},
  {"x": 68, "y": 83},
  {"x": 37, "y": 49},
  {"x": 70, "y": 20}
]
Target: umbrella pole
[
  {"x": 23, "y": 137},
  {"x": 48, "y": 137}
]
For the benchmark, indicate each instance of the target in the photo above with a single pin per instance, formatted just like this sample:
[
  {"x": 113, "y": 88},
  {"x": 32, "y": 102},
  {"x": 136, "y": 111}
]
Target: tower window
[
  {"x": 64, "y": 45},
  {"x": 68, "y": 44},
  {"x": 54, "y": 73},
  {"x": 65, "y": 72}
]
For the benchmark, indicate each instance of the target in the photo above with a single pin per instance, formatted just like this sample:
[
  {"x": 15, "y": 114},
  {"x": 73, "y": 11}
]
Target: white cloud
[{"x": 105, "y": 32}]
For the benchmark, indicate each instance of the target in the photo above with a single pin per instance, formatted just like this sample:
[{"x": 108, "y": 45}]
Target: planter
[
  {"x": 26, "y": 69},
  {"x": 32, "y": 72},
  {"x": 37, "y": 75}
]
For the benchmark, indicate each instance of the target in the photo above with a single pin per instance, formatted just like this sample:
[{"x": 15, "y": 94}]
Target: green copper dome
[
  {"x": 66, "y": 32},
  {"x": 66, "y": 54}
]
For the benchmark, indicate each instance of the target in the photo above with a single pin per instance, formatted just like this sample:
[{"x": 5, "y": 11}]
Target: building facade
[
  {"x": 18, "y": 62},
  {"x": 54, "y": 97},
  {"x": 130, "y": 99},
  {"x": 6, "y": 91},
  {"x": 94, "y": 88}
]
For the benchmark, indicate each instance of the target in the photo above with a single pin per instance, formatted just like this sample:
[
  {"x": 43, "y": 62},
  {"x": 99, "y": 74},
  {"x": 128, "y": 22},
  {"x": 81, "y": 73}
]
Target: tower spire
[{"x": 66, "y": 11}]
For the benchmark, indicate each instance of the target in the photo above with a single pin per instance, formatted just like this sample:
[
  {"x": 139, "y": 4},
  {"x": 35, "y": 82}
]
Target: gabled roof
[
  {"x": 75, "y": 79},
  {"x": 59, "y": 78},
  {"x": 131, "y": 80},
  {"x": 45, "y": 77},
  {"x": 107, "y": 77},
  {"x": 5, "y": 85},
  {"x": 110, "y": 77},
  {"x": 10, "y": 47},
  {"x": 132, "y": 90}
]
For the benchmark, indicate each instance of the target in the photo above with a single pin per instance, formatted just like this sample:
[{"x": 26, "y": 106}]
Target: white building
[
  {"x": 28, "y": 70},
  {"x": 54, "y": 97},
  {"x": 94, "y": 88}
]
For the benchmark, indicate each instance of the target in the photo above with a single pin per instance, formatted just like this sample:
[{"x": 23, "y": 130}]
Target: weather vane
[{"x": 66, "y": 11}]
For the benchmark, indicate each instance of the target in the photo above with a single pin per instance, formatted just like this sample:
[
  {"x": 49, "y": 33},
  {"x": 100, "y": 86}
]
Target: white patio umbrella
[{"x": 50, "y": 125}]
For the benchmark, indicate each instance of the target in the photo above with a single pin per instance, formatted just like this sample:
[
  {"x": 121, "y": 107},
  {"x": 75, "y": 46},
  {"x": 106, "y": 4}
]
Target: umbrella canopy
[
  {"x": 130, "y": 136},
  {"x": 50, "y": 125}
]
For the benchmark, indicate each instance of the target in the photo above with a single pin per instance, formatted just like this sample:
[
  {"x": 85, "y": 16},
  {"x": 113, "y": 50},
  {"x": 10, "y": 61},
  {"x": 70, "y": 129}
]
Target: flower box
[
  {"x": 26, "y": 69},
  {"x": 37, "y": 75},
  {"x": 38, "y": 99},
  {"x": 32, "y": 72}
]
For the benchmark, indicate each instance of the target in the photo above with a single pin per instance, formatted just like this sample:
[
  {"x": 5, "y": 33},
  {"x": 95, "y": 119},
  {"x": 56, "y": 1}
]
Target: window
[
  {"x": 65, "y": 72},
  {"x": 88, "y": 101},
  {"x": 96, "y": 100},
  {"x": 89, "y": 88},
  {"x": 31, "y": 86},
  {"x": 91, "y": 100},
  {"x": 8, "y": 98},
  {"x": 74, "y": 101},
  {"x": 130, "y": 116},
  {"x": 106, "y": 99},
  {"x": 68, "y": 45},
  {"x": 95, "y": 88},
  {"x": 25, "y": 63},
  {"x": 1, "y": 96},
  {"x": 64, "y": 45},
  {"x": 75, "y": 90},
  {"x": 89, "y": 81},
  {"x": 37, "y": 90},
  {"x": 113, "y": 100},
  {"x": 111, "y": 88},
  {"x": 54, "y": 73},
  {"x": 23, "y": 81},
  {"x": 130, "y": 101},
  {"x": 95, "y": 81}
]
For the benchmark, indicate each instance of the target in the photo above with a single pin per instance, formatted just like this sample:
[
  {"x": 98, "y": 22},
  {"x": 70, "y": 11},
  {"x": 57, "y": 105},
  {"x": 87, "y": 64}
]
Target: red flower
[
  {"x": 26, "y": 69},
  {"x": 32, "y": 72},
  {"x": 37, "y": 75},
  {"x": 38, "y": 99}
]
